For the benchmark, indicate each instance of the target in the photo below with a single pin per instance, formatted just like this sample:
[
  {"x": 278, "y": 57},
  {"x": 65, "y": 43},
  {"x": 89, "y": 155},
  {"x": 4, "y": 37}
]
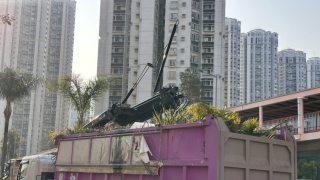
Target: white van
[{"x": 31, "y": 167}]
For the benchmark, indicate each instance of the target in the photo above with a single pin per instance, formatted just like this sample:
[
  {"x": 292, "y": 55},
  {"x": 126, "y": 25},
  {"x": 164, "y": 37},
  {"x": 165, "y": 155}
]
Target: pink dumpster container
[{"x": 196, "y": 151}]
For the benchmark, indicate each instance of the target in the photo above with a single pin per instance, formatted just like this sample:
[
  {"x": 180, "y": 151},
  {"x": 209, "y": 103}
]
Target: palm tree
[
  {"x": 199, "y": 110},
  {"x": 13, "y": 86},
  {"x": 82, "y": 93}
]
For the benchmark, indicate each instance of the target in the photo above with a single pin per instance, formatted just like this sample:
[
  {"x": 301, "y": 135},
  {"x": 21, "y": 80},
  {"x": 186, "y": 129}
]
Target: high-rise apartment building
[
  {"x": 243, "y": 67},
  {"x": 131, "y": 34},
  {"x": 232, "y": 62},
  {"x": 199, "y": 44},
  {"x": 259, "y": 65},
  {"x": 292, "y": 71},
  {"x": 144, "y": 29},
  {"x": 313, "y": 72},
  {"x": 39, "y": 41}
]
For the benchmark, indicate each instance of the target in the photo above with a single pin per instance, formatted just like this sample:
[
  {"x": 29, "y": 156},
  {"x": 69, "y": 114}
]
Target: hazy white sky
[{"x": 296, "y": 21}]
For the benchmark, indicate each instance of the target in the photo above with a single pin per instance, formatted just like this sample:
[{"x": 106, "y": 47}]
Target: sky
[{"x": 296, "y": 21}]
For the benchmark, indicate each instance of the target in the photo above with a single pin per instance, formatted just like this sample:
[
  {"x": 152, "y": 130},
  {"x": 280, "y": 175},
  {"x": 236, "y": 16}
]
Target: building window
[
  {"x": 208, "y": 27},
  {"x": 195, "y": 27},
  {"x": 207, "y": 93},
  {"x": 174, "y": 16},
  {"x": 207, "y": 60},
  {"x": 208, "y": 6},
  {"x": 115, "y": 92},
  {"x": 194, "y": 37},
  {"x": 171, "y": 28},
  {"x": 207, "y": 82},
  {"x": 117, "y": 60},
  {"x": 207, "y": 50},
  {"x": 195, "y": 48},
  {"x": 195, "y": 5},
  {"x": 118, "y": 49},
  {"x": 208, "y": 16},
  {"x": 208, "y": 71},
  {"x": 173, "y": 51},
  {"x": 118, "y": 28},
  {"x": 208, "y": 38},
  {"x": 119, "y": 17},
  {"x": 174, "y": 5},
  {"x": 117, "y": 38},
  {"x": 119, "y": 6},
  {"x": 172, "y": 62},
  {"x": 195, "y": 16},
  {"x": 194, "y": 59},
  {"x": 116, "y": 71},
  {"x": 174, "y": 39},
  {"x": 172, "y": 75}
]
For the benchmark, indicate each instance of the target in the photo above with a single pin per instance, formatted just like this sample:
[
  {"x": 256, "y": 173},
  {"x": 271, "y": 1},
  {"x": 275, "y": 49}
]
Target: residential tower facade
[
  {"x": 199, "y": 45},
  {"x": 144, "y": 29},
  {"x": 39, "y": 41},
  {"x": 313, "y": 72},
  {"x": 232, "y": 62},
  {"x": 292, "y": 71},
  {"x": 131, "y": 34},
  {"x": 259, "y": 65}
]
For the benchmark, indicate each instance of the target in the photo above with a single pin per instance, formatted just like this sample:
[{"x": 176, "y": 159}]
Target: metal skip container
[{"x": 195, "y": 151}]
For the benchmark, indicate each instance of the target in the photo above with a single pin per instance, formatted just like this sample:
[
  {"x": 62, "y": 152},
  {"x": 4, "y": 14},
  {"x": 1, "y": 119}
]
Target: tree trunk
[
  {"x": 80, "y": 119},
  {"x": 7, "y": 113}
]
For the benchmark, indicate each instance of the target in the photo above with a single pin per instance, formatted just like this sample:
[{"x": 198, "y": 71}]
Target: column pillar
[
  {"x": 260, "y": 116},
  {"x": 300, "y": 115}
]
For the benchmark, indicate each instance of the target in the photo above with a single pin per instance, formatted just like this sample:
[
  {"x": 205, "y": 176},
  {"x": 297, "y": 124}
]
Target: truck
[
  {"x": 37, "y": 167},
  {"x": 204, "y": 150}
]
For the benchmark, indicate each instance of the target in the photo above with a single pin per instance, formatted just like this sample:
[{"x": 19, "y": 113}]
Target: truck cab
[{"x": 33, "y": 167}]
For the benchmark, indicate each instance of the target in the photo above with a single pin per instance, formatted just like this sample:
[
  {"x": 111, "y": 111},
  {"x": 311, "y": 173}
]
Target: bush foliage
[{"x": 196, "y": 112}]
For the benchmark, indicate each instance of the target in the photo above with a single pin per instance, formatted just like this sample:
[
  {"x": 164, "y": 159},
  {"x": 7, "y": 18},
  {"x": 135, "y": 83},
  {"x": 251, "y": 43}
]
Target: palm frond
[
  {"x": 16, "y": 85},
  {"x": 80, "y": 92}
]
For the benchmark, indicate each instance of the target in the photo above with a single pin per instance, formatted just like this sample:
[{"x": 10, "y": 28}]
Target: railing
[{"x": 311, "y": 122}]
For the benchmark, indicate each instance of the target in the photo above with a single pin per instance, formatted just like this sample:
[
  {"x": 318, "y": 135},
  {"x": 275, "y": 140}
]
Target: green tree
[
  {"x": 171, "y": 116},
  {"x": 308, "y": 170},
  {"x": 80, "y": 92},
  {"x": 250, "y": 126},
  {"x": 199, "y": 110},
  {"x": 14, "y": 86},
  {"x": 191, "y": 85},
  {"x": 13, "y": 144}
]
